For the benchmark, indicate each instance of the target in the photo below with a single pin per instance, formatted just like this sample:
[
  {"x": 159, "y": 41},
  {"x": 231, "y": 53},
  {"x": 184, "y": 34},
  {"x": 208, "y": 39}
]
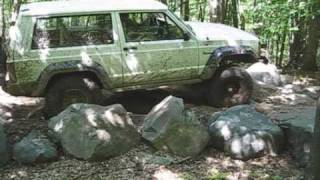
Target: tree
[
  {"x": 2, "y": 42},
  {"x": 186, "y": 10},
  {"x": 215, "y": 10},
  {"x": 235, "y": 13},
  {"x": 312, "y": 42}
]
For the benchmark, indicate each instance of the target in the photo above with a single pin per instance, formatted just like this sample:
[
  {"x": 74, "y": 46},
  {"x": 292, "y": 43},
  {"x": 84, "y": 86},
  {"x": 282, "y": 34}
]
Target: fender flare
[
  {"x": 236, "y": 54},
  {"x": 65, "y": 67}
]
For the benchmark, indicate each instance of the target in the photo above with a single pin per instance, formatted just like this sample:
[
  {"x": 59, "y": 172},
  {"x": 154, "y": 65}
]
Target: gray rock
[
  {"x": 4, "y": 154},
  {"x": 291, "y": 89},
  {"x": 245, "y": 133},
  {"x": 298, "y": 126},
  {"x": 265, "y": 74},
  {"x": 34, "y": 148},
  {"x": 262, "y": 92},
  {"x": 286, "y": 79},
  {"x": 291, "y": 99},
  {"x": 93, "y": 132},
  {"x": 170, "y": 128},
  {"x": 312, "y": 91}
]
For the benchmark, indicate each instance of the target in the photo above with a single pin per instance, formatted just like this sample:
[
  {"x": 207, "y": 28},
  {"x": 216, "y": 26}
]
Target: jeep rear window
[{"x": 55, "y": 32}]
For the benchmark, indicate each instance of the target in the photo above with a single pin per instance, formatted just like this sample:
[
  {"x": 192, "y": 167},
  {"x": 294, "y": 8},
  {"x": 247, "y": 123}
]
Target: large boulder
[
  {"x": 4, "y": 155},
  {"x": 265, "y": 74},
  {"x": 34, "y": 148},
  {"x": 170, "y": 128},
  {"x": 244, "y": 133},
  {"x": 93, "y": 132},
  {"x": 298, "y": 126}
]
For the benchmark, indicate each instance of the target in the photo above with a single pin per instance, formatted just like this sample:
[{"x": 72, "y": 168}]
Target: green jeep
[{"x": 72, "y": 51}]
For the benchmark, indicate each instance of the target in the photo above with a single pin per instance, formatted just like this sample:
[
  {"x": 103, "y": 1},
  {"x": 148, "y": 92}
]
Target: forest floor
[{"x": 144, "y": 162}]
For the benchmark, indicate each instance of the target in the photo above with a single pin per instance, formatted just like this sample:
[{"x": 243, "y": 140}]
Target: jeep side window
[
  {"x": 149, "y": 26},
  {"x": 69, "y": 31}
]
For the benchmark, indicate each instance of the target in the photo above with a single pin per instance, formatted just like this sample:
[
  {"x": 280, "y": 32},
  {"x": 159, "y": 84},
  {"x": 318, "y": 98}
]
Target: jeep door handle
[{"x": 128, "y": 48}]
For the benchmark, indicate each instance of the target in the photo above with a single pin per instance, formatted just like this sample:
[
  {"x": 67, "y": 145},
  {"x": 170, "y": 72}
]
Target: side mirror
[{"x": 186, "y": 37}]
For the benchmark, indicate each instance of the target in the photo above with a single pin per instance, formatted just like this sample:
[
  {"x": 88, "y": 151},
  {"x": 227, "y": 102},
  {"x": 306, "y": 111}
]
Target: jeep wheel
[
  {"x": 69, "y": 90},
  {"x": 233, "y": 86}
]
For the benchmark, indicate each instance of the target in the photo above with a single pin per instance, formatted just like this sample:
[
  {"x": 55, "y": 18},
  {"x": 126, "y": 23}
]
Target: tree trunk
[
  {"x": 202, "y": 11},
  {"x": 297, "y": 43},
  {"x": 315, "y": 148},
  {"x": 2, "y": 45},
  {"x": 283, "y": 41},
  {"x": 182, "y": 8},
  {"x": 235, "y": 13},
  {"x": 14, "y": 11},
  {"x": 224, "y": 8},
  {"x": 243, "y": 22},
  {"x": 186, "y": 10},
  {"x": 215, "y": 11},
  {"x": 277, "y": 49},
  {"x": 312, "y": 44}
]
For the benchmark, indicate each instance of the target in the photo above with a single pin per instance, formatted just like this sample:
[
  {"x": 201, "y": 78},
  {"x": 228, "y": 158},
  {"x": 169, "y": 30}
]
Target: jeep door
[{"x": 154, "y": 49}]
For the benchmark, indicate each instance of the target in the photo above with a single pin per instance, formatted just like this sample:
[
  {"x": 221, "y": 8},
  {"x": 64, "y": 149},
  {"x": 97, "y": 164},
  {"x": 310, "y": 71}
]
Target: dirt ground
[{"x": 144, "y": 162}]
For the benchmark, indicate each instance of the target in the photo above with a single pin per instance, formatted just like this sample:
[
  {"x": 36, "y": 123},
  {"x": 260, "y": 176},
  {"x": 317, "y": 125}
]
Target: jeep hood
[{"x": 212, "y": 31}]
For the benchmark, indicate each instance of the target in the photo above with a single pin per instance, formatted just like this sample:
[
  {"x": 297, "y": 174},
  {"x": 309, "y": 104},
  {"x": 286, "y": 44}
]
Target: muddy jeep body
[{"x": 119, "y": 64}]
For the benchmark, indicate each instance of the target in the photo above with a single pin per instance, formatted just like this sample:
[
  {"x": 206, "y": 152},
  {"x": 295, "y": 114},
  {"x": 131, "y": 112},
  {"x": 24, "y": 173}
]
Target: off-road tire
[
  {"x": 85, "y": 89},
  {"x": 230, "y": 87}
]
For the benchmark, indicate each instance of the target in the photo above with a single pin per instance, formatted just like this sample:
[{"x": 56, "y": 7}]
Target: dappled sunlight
[
  {"x": 114, "y": 119},
  {"x": 16, "y": 39},
  {"x": 91, "y": 117},
  {"x": 165, "y": 174},
  {"x": 226, "y": 133},
  {"x": 85, "y": 58},
  {"x": 236, "y": 146},
  {"x": 58, "y": 127},
  {"x": 44, "y": 53},
  {"x": 103, "y": 135},
  {"x": 133, "y": 63}
]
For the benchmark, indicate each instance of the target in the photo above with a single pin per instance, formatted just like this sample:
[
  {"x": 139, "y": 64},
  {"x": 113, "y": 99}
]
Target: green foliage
[
  {"x": 277, "y": 178},
  {"x": 187, "y": 176},
  {"x": 215, "y": 174}
]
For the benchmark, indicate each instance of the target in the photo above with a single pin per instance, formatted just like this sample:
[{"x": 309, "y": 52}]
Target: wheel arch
[
  {"x": 58, "y": 70},
  {"x": 227, "y": 56}
]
